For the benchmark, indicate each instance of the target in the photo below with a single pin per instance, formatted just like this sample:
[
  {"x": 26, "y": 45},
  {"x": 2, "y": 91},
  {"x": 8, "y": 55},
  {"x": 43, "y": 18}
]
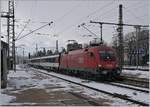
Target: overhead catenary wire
[
  {"x": 83, "y": 25},
  {"x": 66, "y": 15},
  {"x": 33, "y": 11},
  {"x": 60, "y": 18},
  {"x": 23, "y": 29},
  {"x": 132, "y": 14},
  {"x": 87, "y": 16},
  {"x": 27, "y": 22},
  {"x": 134, "y": 6},
  {"x": 69, "y": 27},
  {"x": 68, "y": 12},
  {"x": 80, "y": 19},
  {"x": 35, "y": 30},
  {"x": 107, "y": 13}
]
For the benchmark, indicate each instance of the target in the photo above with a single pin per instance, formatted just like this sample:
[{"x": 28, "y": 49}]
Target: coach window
[
  {"x": 49, "y": 60},
  {"x": 33, "y": 60},
  {"x": 37, "y": 60},
  {"x": 53, "y": 59},
  {"x": 46, "y": 60}
]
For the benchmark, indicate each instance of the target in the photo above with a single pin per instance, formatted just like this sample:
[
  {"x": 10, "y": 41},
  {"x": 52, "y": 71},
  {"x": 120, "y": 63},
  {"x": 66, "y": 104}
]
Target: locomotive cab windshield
[{"x": 107, "y": 55}]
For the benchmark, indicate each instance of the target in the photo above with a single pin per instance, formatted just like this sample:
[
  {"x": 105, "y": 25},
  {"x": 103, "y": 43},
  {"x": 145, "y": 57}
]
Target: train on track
[{"x": 96, "y": 60}]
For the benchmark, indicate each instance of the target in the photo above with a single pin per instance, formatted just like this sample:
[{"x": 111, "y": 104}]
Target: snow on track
[
  {"x": 5, "y": 99},
  {"x": 140, "y": 88},
  {"x": 136, "y": 73},
  {"x": 24, "y": 79},
  {"x": 139, "y": 96}
]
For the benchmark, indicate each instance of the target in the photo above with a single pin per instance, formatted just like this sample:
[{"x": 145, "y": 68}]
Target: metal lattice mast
[
  {"x": 11, "y": 30},
  {"x": 120, "y": 37}
]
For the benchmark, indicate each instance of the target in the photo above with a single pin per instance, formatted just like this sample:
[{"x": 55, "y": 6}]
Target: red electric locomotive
[{"x": 98, "y": 60}]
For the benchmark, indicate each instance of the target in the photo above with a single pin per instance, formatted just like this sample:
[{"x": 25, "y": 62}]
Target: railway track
[
  {"x": 117, "y": 95},
  {"x": 142, "y": 69},
  {"x": 129, "y": 87},
  {"x": 134, "y": 81}
]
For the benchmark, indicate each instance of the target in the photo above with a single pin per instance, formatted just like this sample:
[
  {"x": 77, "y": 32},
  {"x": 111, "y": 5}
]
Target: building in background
[
  {"x": 4, "y": 64},
  {"x": 131, "y": 42}
]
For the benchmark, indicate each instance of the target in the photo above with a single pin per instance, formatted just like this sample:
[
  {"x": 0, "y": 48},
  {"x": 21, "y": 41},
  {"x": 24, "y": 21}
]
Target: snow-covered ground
[
  {"x": 6, "y": 99},
  {"x": 136, "y": 73},
  {"x": 144, "y": 97},
  {"x": 29, "y": 79}
]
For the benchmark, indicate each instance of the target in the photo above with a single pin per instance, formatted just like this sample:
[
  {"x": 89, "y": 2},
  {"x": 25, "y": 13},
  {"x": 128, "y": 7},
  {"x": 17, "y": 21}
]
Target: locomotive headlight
[{"x": 99, "y": 65}]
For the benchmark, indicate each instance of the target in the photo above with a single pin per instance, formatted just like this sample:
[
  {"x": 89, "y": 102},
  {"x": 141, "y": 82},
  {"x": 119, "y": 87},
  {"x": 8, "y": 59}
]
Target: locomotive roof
[{"x": 91, "y": 48}]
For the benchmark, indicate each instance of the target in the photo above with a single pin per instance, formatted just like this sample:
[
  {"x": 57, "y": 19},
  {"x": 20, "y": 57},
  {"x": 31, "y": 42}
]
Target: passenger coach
[{"x": 46, "y": 62}]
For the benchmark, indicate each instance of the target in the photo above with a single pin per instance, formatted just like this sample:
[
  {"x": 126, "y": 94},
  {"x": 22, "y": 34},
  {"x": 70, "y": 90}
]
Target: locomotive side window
[{"x": 107, "y": 55}]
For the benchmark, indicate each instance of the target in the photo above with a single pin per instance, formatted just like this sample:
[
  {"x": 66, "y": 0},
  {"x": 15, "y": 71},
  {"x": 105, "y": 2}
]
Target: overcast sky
[{"x": 67, "y": 15}]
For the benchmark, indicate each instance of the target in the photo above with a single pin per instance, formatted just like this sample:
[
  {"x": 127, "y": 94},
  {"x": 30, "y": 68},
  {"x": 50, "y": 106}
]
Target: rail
[{"x": 99, "y": 90}]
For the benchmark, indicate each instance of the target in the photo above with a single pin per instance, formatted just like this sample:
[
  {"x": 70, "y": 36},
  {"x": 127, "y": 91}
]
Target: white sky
[{"x": 67, "y": 15}]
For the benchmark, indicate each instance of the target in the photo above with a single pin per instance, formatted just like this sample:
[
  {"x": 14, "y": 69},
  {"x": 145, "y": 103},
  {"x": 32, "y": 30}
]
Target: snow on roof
[{"x": 137, "y": 73}]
